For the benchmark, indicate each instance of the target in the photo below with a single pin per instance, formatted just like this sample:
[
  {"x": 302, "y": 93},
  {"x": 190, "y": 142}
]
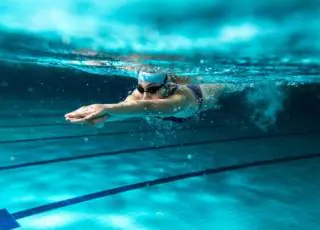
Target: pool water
[
  {"x": 250, "y": 163},
  {"x": 127, "y": 176}
]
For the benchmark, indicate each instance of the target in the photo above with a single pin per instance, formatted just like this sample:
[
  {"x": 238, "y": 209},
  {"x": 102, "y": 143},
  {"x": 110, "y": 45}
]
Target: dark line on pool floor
[
  {"x": 63, "y": 137},
  {"x": 66, "y": 137},
  {"x": 118, "y": 152},
  {"x": 47, "y": 125},
  {"x": 95, "y": 135},
  {"x": 164, "y": 180},
  {"x": 34, "y": 125}
]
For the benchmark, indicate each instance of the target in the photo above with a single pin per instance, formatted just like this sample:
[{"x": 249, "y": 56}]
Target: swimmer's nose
[{"x": 145, "y": 96}]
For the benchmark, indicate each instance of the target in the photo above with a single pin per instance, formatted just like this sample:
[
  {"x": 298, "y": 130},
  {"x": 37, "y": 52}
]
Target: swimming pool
[
  {"x": 250, "y": 164},
  {"x": 222, "y": 174}
]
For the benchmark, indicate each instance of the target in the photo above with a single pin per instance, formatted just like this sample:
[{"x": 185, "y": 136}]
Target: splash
[{"x": 267, "y": 101}]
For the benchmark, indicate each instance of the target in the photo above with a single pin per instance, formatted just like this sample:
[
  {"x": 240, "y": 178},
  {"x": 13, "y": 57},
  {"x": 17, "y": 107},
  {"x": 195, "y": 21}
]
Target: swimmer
[{"x": 157, "y": 96}]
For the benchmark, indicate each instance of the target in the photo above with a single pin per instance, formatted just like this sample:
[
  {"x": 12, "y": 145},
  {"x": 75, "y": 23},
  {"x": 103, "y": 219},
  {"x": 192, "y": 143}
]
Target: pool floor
[{"x": 46, "y": 161}]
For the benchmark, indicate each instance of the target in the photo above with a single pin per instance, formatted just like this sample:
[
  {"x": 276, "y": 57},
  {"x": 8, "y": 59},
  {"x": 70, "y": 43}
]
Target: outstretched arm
[
  {"x": 130, "y": 108},
  {"x": 138, "y": 108}
]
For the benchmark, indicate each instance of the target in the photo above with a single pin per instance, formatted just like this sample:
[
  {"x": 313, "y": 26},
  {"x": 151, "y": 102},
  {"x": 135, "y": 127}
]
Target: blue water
[{"x": 251, "y": 163}]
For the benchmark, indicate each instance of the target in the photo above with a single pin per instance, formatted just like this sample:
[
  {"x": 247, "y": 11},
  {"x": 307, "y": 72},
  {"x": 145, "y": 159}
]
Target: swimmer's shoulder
[
  {"x": 179, "y": 79},
  {"x": 183, "y": 90},
  {"x": 134, "y": 96}
]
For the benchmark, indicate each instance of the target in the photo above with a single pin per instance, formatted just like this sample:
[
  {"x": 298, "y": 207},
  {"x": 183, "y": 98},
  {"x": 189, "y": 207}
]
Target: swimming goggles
[
  {"x": 150, "y": 89},
  {"x": 153, "y": 88}
]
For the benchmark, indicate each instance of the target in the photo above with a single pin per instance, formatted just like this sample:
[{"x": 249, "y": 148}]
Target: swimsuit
[{"x": 199, "y": 97}]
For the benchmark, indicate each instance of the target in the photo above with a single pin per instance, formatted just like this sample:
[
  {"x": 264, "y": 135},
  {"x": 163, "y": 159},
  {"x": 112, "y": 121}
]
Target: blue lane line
[
  {"x": 109, "y": 192},
  {"x": 47, "y": 124},
  {"x": 143, "y": 149},
  {"x": 94, "y": 135},
  {"x": 33, "y": 126},
  {"x": 147, "y": 149},
  {"x": 65, "y": 137},
  {"x": 7, "y": 221}
]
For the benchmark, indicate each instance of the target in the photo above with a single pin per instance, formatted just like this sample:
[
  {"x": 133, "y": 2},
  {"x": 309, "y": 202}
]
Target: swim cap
[{"x": 158, "y": 78}]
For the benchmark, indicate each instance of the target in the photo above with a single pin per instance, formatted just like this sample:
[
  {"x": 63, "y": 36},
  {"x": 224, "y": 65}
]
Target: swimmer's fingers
[
  {"x": 82, "y": 108},
  {"x": 85, "y": 111},
  {"x": 86, "y": 118},
  {"x": 73, "y": 117},
  {"x": 78, "y": 120},
  {"x": 76, "y": 112},
  {"x": 79, "y": 113},
  {"x": 93, "y": 121}
]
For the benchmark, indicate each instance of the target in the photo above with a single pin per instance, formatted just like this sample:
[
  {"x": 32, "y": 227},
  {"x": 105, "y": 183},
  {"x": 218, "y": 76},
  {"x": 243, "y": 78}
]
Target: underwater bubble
[{"x": 4, "y": 84}]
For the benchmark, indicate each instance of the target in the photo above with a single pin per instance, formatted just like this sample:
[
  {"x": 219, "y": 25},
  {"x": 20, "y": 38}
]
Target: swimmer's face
[{"x": 150, "y": 91}]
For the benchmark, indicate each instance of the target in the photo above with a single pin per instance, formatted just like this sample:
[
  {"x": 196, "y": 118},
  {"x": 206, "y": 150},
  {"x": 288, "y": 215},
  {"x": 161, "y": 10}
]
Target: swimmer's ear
[
  {"x": 169, "y": 89},
  {"x": 166, "y": 91}
]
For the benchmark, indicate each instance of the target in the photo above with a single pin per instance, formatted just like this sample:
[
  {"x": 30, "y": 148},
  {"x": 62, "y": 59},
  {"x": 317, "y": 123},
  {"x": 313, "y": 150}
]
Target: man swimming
[{"x": 155, "y": 96}]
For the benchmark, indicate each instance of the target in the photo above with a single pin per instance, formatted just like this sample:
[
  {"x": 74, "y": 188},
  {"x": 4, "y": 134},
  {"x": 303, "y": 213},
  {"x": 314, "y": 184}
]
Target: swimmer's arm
[
  {"x": 132, "y": 97},
  {"x": 139, "y": 108}
]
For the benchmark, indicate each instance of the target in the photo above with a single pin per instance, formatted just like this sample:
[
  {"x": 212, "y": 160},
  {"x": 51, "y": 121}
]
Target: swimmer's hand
[{"x": 92, "y": 115}]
